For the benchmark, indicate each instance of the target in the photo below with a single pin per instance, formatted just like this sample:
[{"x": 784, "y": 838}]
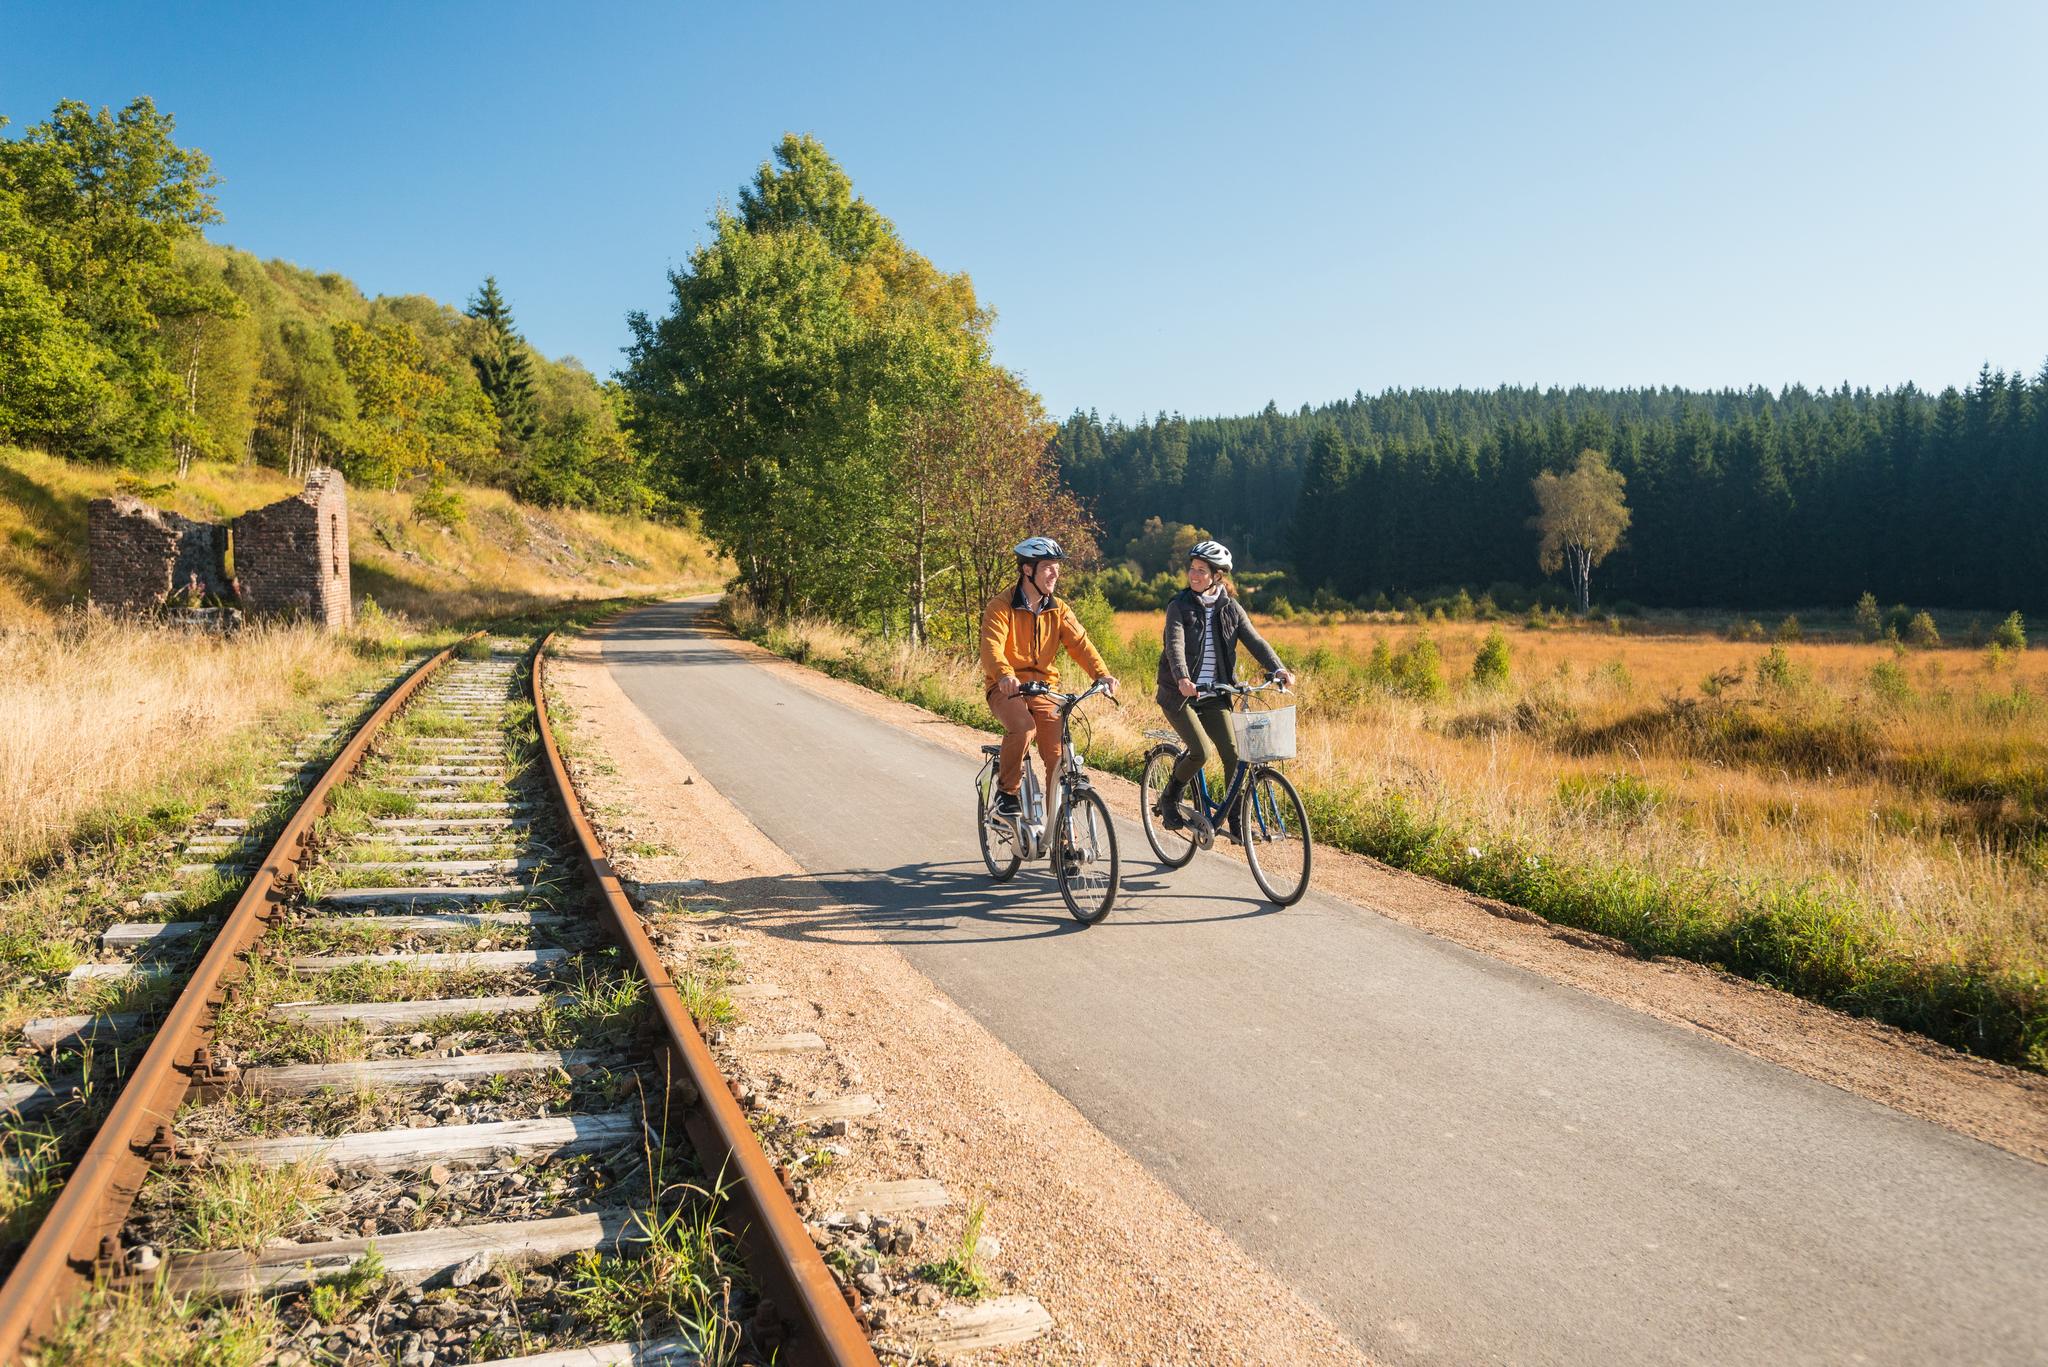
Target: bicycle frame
[
  {"x": 1036, "y": 821},
  {"x": 1216, "y": 809}
]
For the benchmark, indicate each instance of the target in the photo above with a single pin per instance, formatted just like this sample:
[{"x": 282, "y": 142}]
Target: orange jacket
[{"x": 1022, "y": 643}]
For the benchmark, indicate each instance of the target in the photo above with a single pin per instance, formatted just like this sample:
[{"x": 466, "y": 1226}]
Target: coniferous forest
[{"x": 1738, "y": 498}]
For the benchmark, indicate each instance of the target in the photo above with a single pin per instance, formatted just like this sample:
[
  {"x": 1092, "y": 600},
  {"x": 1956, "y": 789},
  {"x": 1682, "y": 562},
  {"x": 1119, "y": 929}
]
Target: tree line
[
  {"x": 826, "y": 397},
  {"x": 127, "y": 337},
  {"x": 1736, "y": 497}
]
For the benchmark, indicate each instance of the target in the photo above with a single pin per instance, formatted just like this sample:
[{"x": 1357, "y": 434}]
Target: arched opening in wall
[{"x": 334, "y": 541}]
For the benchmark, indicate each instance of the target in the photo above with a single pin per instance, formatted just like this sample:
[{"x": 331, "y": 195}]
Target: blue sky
[{"x": 1193, "y": 208}]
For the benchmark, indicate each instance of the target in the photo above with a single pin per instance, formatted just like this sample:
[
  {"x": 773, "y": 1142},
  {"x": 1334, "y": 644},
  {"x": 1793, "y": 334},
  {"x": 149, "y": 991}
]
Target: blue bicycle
[{"x": 1272, "y": 824}]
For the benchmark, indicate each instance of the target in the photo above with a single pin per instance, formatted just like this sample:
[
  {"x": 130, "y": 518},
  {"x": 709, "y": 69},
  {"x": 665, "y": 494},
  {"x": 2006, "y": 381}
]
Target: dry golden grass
[
  {"x": 98, "y": 717},
  {"x": 504, "y": 557},
  {"x": 95, "y": 708},
  {"x": 1590, "y": 748}
]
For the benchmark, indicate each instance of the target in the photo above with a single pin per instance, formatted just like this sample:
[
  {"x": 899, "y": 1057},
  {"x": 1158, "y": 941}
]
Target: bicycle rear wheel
[
  {"x": 1085, "y": 862},
  {"x": 1276, "y": 837},
  {"x": 999, "y": 848},
  {"x": 1174, "y": 848}
]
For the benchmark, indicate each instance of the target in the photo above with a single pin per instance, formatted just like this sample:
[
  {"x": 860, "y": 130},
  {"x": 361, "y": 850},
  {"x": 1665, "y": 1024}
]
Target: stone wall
[
  {"x": 291, "y": 558},
  {"x": 141, "y": 557}
]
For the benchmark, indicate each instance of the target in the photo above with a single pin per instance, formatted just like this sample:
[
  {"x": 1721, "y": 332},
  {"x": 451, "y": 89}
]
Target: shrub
[
  {"x": 2011, "y": 633},
  {"x": 1888, "y": 680},
  {"x": 1461, "y": 609},
  {"x": 440, "y": 505},
  {"x": 1490, "y": 668},
  {"x": 1775, "y": 671},
  {"x": 1896, "y": 619},
  {"x": 1752, "y": 630},
  {"x": 1788, "y": 630},
  {"x": 1486, "y": 610},
  {"x": 1621, "y": 798},
  {"x": 1868, "y": 620},
  {"x": 1920, "y": 631},
  {"x": 1535, "y": 621},
  {"x": 1511, "y": 597},
  {"x": 1416, "y": 671},
  {"x": 1720, "y": 681}
]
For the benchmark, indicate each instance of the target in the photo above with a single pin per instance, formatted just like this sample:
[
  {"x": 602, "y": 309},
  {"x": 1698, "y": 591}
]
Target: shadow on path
[{"x": 927, "y": 903}]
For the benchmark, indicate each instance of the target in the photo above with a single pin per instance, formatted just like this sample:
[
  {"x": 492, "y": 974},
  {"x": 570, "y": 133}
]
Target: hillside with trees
[
  {"x": 1736, "y": 497},
  {"x": 127, "y": 338}
]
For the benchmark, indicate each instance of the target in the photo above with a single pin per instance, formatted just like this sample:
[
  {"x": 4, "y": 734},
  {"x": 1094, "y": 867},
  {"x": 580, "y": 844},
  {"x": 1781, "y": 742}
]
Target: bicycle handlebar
[
  {"x": 1068, "y": 701},
  {"x": 1240, "y": 690}
]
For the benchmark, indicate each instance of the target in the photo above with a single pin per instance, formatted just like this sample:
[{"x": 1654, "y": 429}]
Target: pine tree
[{"x": 503, "y": 367}]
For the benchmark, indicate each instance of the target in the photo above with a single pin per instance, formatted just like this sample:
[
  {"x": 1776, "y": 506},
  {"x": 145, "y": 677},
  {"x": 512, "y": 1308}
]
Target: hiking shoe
[{"x": 1167, "y": 808}]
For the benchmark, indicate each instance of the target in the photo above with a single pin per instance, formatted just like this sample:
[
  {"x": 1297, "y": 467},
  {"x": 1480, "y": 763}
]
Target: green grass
[
  {"x": 672, "y": 1278},
  {"x": 232, "y": 1203},
  {"x": 335, "y": 1298},
  {"x": 960, "y": 1273},
  {"x": 151, "y": 1326}
]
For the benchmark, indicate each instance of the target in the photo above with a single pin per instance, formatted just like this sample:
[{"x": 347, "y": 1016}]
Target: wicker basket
[{"x": 1264, "y": 736}]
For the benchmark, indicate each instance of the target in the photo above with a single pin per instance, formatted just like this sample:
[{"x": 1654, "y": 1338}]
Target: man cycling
[{"x": 1022, "y": 630}]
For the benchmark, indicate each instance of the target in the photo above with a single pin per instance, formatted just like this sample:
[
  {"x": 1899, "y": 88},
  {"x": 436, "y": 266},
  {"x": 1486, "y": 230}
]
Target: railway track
[{"x": 429, "y": 1094}]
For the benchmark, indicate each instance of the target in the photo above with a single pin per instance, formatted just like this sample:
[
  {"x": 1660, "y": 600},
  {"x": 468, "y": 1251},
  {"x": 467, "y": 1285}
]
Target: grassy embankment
[
  {"x": 1864, "y": 827},
  {"x": 115, "y": 729}
]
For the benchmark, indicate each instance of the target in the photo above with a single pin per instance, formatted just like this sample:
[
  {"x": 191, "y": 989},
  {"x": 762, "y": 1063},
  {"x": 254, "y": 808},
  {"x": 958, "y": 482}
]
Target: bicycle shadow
[{"x": 935, "y": 903}]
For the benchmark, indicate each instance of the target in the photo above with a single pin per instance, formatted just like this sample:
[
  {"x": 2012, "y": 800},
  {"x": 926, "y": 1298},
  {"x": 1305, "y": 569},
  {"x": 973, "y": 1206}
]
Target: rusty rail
[
  {"x": 792, "y": 1276},
  {"x": 82, "y": 1231}
]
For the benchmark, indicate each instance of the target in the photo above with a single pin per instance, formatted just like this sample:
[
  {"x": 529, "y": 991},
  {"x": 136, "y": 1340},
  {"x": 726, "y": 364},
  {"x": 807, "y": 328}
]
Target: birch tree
[{"x": 1581, "y": 517}]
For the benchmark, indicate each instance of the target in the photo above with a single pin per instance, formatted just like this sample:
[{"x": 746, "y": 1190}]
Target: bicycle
[
  {"x": 1081, "y": 841},
  {"x": 1274, "y": 824}
]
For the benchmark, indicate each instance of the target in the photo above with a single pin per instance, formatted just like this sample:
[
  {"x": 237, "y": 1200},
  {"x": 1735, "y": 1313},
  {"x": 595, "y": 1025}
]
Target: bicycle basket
[{"x": 1264, "y": 736}]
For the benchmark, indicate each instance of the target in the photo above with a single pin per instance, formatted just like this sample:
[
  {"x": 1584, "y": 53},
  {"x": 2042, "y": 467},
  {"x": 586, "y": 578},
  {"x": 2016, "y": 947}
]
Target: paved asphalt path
[{"x": 1457, "y": 1160}]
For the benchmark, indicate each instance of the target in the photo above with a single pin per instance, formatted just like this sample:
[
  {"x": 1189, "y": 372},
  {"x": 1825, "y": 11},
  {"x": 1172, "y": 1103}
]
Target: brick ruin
[
  {"x": 290, "y": 559},
  {"x": 142, "y": 557}
]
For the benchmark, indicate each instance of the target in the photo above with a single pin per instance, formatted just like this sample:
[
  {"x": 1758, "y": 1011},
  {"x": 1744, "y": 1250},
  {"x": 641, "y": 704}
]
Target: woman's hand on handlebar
[
  {"x": 1285, "y": 678},
  {"x": 1188, "y": 689}
]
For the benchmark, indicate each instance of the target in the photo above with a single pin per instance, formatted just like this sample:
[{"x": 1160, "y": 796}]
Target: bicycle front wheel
[
  {"x": 999, "y": 847},
  {"x": 1086, "y": 861},
  {"x": 1276, "y": 837},
  {"x": 1174, "y": 848}
]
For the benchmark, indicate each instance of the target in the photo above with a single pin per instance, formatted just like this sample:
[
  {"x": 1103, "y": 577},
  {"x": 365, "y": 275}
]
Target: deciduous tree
[{"x": 1581, "y": 517}]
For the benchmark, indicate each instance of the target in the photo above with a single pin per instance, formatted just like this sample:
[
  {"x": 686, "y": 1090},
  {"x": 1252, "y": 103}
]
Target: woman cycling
[
  {"x": 1204, "y": 623},
  {"x": 1022, "y": 630}
]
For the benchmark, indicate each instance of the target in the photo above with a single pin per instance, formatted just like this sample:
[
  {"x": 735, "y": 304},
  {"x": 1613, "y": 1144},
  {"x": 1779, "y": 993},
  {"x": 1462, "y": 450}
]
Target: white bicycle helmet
[
  {"x": 1215, "y": 552},
  {"x": 1039, "y": 548}
]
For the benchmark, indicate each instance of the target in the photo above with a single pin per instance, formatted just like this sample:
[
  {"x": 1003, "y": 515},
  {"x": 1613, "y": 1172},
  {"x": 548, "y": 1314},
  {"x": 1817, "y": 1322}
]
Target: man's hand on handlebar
[
  {"x": 1007, "y": 686},
  {"x": 1188, "y": 688}
]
